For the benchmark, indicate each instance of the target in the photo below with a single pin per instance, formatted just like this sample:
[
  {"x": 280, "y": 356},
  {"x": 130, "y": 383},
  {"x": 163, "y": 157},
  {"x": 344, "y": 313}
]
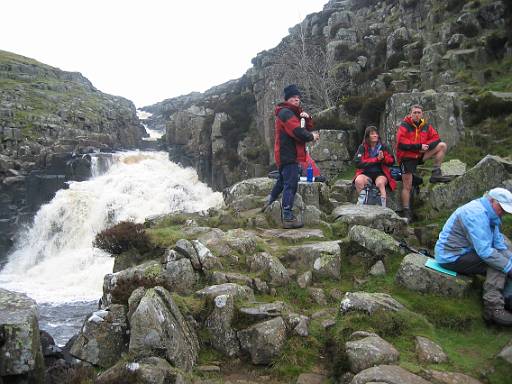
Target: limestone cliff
[
  {"x": 358, "y": 63},
  {"x": 48, "y": 119}
]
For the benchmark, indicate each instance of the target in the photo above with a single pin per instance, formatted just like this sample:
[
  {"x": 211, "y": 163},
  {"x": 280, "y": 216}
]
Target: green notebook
[{"x": 432, "y": 264}]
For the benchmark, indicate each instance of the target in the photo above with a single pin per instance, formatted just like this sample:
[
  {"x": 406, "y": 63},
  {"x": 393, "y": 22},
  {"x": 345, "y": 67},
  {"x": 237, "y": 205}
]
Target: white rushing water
[
  {"x": 153, "y": 134},
  {"x": 55, "y": 261}
]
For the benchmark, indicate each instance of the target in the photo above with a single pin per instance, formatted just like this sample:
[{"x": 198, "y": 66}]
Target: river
[{"x": 54, "y": 261}]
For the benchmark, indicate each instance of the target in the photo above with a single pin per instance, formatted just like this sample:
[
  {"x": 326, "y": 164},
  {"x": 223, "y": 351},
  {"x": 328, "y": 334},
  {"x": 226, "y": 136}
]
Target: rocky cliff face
[
  {"x": 358, "y": 63},
  {"x": 48, "y": 119}
]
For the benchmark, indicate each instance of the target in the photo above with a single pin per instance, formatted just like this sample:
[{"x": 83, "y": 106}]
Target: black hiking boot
[
  {"x": 508, "y": 303},
  {"x": 498, "y": 316},
  {"x": 407, "y": 213},
  {"x": 437, "y": 177},
  {"x": 291, "y": 222}
]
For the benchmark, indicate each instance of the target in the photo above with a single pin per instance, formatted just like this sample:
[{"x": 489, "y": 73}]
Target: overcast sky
[{"x": 149, "y": 50}]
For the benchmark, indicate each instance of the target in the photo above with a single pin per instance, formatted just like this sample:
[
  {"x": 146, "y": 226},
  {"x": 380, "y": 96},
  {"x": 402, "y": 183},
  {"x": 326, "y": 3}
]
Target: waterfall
[{"x": 55, "y": 262}]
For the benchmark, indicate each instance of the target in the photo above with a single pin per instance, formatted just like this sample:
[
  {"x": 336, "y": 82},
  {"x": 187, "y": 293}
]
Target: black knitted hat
[{"x": 290, "y": 91}]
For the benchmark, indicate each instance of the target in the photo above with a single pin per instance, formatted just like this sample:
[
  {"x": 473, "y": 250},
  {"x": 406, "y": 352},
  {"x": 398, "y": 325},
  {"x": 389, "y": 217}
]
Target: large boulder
[
  {"x": 443, "y": 111},
  {"x": 368, "y": 352},
  {"x": 234, "y": 240},
  {"x": 304, "y": 256},
  {"x": 256, "y": 187},
  {"x": 506, "y": 353},
  {"x": 157, "y": 327},
  {"x": 264, "y": 262},
  {"x": 429, "y": 352},
  {"x": 490, "y": 172},
  {"x": 332, "y": 154},
  {"x": 175, "y": 275},
  {"x": 148, "y": 370},
  {"x": 218, "y": 324},
  {"x": 103, "y": 337},
  {"x": 369, "y": 303},
  {"x": 414, "y": 275},
  {"x": 264, "y": 341},
  {"x": 294, "y": 235},
  {"x": 389, "y": 374},
  {"x": 234, "y": 290},
  {"x": 377, "y": 242},
  {"x": 443, "y": 377},
  {"x": 383, "y": 219},
  {"x": 20, "y": 346}
]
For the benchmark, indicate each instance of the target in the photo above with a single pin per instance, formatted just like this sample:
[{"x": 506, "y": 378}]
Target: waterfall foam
[{"x": 55, "y": 260}]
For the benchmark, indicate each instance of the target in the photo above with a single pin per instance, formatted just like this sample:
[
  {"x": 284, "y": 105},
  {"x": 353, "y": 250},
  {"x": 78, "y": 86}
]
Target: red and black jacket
[
  {"x": 363, "y": 160},
  {"x": 410, "y": 137},
  {"x": 290, "y": 138}
]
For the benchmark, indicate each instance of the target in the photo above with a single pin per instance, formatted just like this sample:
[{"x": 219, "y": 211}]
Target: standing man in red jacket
[
  {"x": 290, "y": 139},
  {"x": 417, "y": 141}
]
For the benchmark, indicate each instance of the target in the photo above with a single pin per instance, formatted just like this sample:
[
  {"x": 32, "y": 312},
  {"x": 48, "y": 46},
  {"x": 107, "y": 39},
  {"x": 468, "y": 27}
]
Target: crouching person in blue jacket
[{"x": 471, "y": 243}]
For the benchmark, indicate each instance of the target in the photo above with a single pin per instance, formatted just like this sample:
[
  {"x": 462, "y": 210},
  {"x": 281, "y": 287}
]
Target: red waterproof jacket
[
  {"x": 410, "y": 137},
  {"x": 363, "y": 160},
  {"x": 289, "y": 138}
]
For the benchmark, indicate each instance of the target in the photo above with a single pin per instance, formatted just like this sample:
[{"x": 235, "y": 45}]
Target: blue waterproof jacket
[{"x": 474, "y": 227}]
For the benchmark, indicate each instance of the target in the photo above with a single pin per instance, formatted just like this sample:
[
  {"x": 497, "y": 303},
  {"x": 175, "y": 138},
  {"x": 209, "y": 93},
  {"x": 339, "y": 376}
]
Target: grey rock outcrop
[
  {"x": 370, "y": 351},
  {"x": 263, "y": 341},
  {"x": 294, "y": 235},
  {"x": 304, "y": 256},
  {"x": 157, "y": 328},
  {"x": 20, "y": 346},
  {"x": 429, "y": 352},
  {"x": 506, "y": 353},
  {"x": 383, "y": 219},
  {"x": 389, "y": 374},
  {"x": 103, "y": 337},
  {"x": 263, "y": 262},
  {"x": 234, "y": 290},
  {"x": 490, "y": 172},
  {"x": 414, "y": 275},
  {"x": 218, "y": 323},
  {"x": 176, "y": 276},
  {"x": 369, "y": 303},
  {"x": 333, "y": 152},
  {"x": 441, "y": 377},
  {"x": 149, "y": 370},
  {"x": 378, "y": 269},
  {"x": 377, "y": 242}
]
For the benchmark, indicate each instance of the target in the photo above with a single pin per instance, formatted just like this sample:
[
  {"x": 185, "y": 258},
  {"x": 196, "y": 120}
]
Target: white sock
[
  {"x": 383, "y": 202},
  {"x": 361, "y": 198}
]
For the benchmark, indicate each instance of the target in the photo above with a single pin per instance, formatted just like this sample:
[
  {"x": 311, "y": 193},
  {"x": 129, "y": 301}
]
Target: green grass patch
[
  {"x": 190, "y": 305},
  {"x": 165, "y": 236},
  {"x": 299, "y": 355}
]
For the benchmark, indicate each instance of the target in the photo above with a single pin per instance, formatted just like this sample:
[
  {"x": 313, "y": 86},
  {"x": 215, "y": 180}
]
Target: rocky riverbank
[{"x": 228, "y": 296}]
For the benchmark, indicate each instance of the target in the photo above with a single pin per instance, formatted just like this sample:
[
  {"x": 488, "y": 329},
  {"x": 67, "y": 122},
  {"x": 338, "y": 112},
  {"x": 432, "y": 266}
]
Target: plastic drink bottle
[{"x": 309, "y": 173}]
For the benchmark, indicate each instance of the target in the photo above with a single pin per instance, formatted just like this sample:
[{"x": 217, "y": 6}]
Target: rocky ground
[{"x": 229, "y": 297}]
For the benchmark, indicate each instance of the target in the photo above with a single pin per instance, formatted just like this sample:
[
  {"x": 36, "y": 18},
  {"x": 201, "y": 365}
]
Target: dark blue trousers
[{"x": 287, "y": 183}]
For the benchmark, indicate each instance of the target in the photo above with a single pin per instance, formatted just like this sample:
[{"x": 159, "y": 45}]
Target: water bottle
[
  {"x": 303, "y": 122},
  {"x": 309, "y": 173}
]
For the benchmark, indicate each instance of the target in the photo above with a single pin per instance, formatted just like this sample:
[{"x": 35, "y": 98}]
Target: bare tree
[{"x": 307, "y": 63}]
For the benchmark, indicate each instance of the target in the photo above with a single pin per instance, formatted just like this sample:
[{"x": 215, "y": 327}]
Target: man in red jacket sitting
[{"x": 417, "y": 141}]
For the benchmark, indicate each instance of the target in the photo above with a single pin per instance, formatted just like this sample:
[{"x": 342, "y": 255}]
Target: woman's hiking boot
[{"x": 498, "y": 316}]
